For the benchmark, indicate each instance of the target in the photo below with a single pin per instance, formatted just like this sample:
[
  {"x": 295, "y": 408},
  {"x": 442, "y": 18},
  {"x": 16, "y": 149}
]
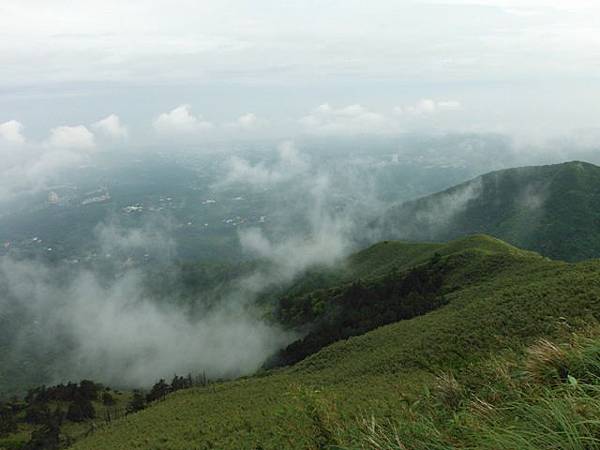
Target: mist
[
  {"x": 88, "y": 312},
  {"x": 110, "y": 330},
  {"x": 99, "y": 319}
]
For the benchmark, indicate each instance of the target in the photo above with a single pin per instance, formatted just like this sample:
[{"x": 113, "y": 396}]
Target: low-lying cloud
[
  {"x": 290, "y": 164},
  {"x": 352, "y": 119},
  {"x": 359, "y": 120},
  {"x": 12, "y": 132},
  {"x": 71, "y": 137},
  {"x": 428, "y": 106},
  {"x": 248, "y": 122},
  {"x": 440, "y": 210},
  {"x": 28, "y": 166},
  {"x": 111, "y": 127},
  {"x": 318, "y": 231},
  {"x": 326, "y": 241},
  {"x": 112, "y": 330},
  {"x": 181, "y": 120}
]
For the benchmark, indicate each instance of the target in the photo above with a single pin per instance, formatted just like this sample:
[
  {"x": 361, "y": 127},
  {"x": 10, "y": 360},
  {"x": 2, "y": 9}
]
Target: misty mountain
[
  {"x": 437, "y": 377},
  {"x": 299, "y": 225},
  {"x": 552, "y": 209}
]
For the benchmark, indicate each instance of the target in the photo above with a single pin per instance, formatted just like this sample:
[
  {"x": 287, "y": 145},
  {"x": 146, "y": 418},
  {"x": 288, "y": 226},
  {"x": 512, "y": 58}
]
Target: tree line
[
  {"x": 48, "y": 408},
  {"x": 330, "y": 315}
]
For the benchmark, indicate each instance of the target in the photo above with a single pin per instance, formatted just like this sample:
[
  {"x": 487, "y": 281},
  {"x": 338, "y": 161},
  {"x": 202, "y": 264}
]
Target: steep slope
[
  {"x": 500, "y": 299},
  {"x": 553, "y": 210},
  {"x": 389, "y": 282}
]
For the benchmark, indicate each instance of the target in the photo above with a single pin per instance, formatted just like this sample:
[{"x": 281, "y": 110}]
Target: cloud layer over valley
[{"x": 112, "y": 329}]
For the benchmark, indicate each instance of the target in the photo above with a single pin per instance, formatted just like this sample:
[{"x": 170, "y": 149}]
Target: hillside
[
  {"x": 553, "y": 210},
  {"x": 419, "y": 379}
]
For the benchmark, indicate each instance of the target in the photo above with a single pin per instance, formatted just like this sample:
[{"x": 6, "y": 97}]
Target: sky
[{"x": 261, "y": 68}]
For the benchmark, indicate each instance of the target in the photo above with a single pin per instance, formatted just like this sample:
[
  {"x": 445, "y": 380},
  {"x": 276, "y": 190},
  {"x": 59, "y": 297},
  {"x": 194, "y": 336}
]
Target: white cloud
[
  {"x": 353, "y": 119},
  {"x": 357, "y": 119},
  {"x": 249, "y": 122},
  {"x": 449, "y": 105},
  {"x": 290, "y": 164},
  {"x": 481, "y": 49},
  {"x": 71, "y": 137},
  {"x": 188, "y": 40},
  {"x": 28, "y": 167},
  {"x": 121, "y": 335},
  {"x": 111, "y": 127},
  {"x": 290, "y": 157},
  {"x": 425, "y": 106},
  {"x": 242, "y": 171},
  {"x": 181, "y": 120},
  {"x": 327, "y": 241},
  {"x": 12, "y": 132},
  {"x": 572, "y": 5},
  {"x": 428, "y": 106},
  {"x": 245, "y": 124}
]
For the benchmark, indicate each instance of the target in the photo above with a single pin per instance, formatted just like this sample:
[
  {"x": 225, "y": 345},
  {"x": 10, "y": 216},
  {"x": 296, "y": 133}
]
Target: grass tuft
[
  {"x": 547, "y": 363},
  {"x": 448, "y": 391}
]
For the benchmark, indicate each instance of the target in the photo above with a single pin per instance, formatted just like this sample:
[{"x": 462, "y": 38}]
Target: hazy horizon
[{"x": 283, "y": 69}]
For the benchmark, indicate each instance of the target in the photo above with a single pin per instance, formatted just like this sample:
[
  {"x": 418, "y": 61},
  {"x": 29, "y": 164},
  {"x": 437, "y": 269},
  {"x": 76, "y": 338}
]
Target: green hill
[
  {"x": 453, "y": 377},
  {"x": 553, "y": 210}
]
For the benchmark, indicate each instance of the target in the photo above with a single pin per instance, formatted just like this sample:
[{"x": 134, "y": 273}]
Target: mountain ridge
[
  {"x": 551, "y": 209},
  {"x": 500, "y": 300}
]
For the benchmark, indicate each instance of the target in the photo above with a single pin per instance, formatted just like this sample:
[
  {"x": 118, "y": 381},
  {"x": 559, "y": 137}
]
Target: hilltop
[
  {"x": 553, "y": 210},
  {"x": 417, "y": 379}
]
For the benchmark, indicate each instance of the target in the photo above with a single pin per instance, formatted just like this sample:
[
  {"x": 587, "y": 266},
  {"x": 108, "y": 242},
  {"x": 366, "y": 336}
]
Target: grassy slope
[
  {"x": 501, "y": 299},
  {"x": 554, "y": 210},
  {"x": 383, "y": 257}
]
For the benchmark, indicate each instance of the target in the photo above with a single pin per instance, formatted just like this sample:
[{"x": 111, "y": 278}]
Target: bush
[
  {"x": 137, "y": 402},
  {"x": 108, "y": 399},
  {"x": 547, "y": 363},
  {"x": 8, "y": 421},
  {"x": 80, "y": 410},
  {"x": 448, "y": 391}
]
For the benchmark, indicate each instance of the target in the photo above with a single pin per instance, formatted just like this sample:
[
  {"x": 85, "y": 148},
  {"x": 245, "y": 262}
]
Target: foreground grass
[
  {"x": 453, "y": 378},
  {"x": 547, "y": 399}
]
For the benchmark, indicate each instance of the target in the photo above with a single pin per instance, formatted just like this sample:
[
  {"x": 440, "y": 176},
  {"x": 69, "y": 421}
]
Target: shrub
[
  {"x": 81, "y": 409},
  {"x": 448, "y": 391},
  {"x": 137, "y": 402},
  {"x": 547, "y": 363}
]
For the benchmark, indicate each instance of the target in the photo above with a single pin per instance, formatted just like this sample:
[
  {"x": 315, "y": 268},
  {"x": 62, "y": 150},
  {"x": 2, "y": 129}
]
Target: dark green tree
[
  {"x": 88, "y": 389},
  {"x": 108, "y": 399},
  {"x": 158, "y": 391},
  {"x": 46, "y": 437},
  {"x": 81, "y": 409},
  {"x": 137, "y": 402},
  {"x": 8, "y": 421},
  {"x": 37, "y": 413}
]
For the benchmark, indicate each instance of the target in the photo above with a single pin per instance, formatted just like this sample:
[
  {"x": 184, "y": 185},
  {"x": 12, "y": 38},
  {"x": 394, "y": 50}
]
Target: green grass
[
  {"x": 501, "y": 300},
  {"x": 553, "y": 210},
  {"x": 547, "y": 398},
  {"x": 383, "y": 256}
]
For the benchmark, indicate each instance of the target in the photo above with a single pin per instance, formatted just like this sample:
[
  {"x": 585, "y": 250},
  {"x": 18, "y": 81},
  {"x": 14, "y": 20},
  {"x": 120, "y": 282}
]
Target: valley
[{"x": 399, "y": 342}]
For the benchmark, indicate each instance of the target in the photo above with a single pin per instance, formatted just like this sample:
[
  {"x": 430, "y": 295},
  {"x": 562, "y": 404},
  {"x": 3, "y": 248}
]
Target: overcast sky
[{"x": 158, "y": 69}]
